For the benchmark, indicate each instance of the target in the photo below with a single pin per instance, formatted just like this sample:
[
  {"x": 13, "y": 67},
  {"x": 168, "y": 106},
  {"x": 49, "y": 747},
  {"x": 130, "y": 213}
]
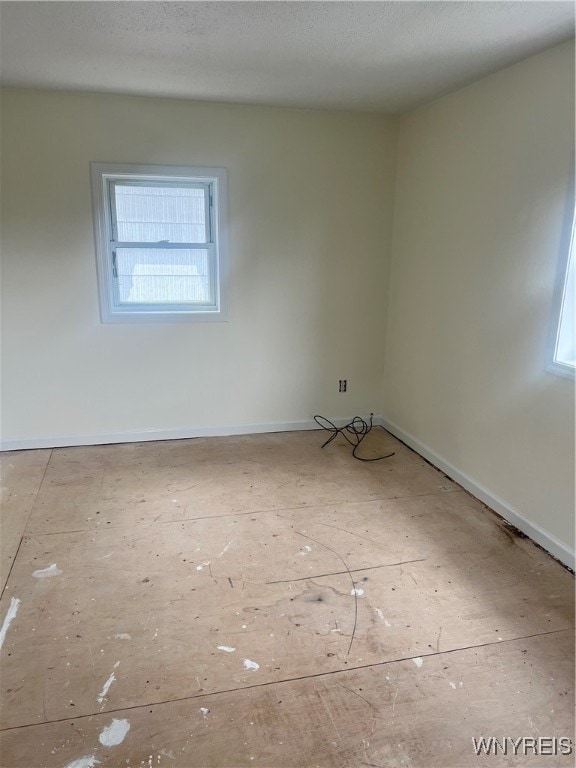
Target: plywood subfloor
[{"x": 256, "y": 600}]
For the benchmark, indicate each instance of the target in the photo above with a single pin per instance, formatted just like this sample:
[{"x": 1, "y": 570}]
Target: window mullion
[{"x": 161, "y": 245}]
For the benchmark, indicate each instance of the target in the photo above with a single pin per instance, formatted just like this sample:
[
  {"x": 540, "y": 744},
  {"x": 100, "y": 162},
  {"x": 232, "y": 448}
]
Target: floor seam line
[
  {"x": 254, "y": 512},
  {"x": 352, "y": 570},
  {"x": 288, "y": 680},
  {"x": 11, "y": 566},
  {"x": 27, "y": 521}
]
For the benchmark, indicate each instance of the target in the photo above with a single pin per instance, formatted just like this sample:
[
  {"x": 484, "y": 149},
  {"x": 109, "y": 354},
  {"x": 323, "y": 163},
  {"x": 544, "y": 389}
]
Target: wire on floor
[{"x": 354, "y": 433}]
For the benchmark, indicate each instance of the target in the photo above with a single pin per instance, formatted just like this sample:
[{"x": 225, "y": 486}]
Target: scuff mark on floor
[
  {"x": 394, "y": 701},
  {"x": 345, "y": 564},
  {"x": 438, "y": 640}
]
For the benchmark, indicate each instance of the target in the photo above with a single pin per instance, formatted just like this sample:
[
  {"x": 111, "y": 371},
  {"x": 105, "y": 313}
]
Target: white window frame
[
  {"x": 567, "y": 253},
  {"x": 214, "y": 181}
]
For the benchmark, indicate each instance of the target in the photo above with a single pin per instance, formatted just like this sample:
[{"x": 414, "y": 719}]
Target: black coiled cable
[{"x": 354, "y": 433}]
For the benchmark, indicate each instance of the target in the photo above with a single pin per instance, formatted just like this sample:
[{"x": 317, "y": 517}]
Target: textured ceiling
[{"x": 382, "y": 56}]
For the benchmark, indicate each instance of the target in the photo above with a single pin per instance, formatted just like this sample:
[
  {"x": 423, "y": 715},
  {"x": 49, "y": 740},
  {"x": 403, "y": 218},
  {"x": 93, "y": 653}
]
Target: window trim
[
  {"x": 104, "y": 173},
  {"x": 567, "y": 244}
]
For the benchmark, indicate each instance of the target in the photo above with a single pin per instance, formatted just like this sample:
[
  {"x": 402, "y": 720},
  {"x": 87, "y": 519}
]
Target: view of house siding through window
[
  {"x": 566, "y": 343},
  {"x": 164, "y": 215}
]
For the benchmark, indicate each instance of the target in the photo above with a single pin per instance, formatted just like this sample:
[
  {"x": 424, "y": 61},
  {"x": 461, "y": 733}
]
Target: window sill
[
  {"x": 561, "y": 369},
  {"x": 164, "y": 317}
]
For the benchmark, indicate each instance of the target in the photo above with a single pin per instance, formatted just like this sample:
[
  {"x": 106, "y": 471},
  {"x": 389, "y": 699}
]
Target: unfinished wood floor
[{"x": 258, "y": 601}]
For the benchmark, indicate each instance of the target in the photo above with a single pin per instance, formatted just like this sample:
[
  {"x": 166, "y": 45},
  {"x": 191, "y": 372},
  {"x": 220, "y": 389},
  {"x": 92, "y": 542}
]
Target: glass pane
[
  {"x": 174, "y": 276},
  {"x": 150, "y": 214},
  {"x": 566, "y": 347}
]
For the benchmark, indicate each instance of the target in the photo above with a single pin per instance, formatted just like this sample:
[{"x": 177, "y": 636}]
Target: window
[
  {"x": 160, "y": 242},
  {"x": 562, "y": 346}
]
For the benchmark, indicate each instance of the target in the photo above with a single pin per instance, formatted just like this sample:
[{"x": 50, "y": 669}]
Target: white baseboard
[
  {"x": 546, "y": 540},
  {"x": 144, "y": 435}
]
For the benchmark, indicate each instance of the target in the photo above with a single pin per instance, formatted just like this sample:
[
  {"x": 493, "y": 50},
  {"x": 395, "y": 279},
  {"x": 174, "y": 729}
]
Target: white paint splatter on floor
[
  {"x": 305, "y": 549},
  {"x": 227, "y": 648},
  {"x": 418, "y": 661},
  {"x": 226, "y": 548},
  {"x": 357, "y": 591},
  {"x": 104, "y": 692},
  {"x": 46, "y": 573},
  {"x": 204, "y": 711},
  {"x": 202, "y": 565},
  {"x": 123, "y": 636},
  {"x": 115, "y": 733},
  {"x": 9, "y": 618},
  {"x": 251, "y": 665},
  {"x": 452, "y": 685},
  {"x": 381, "y": 616},
  {"x": 88, "y": 761}
]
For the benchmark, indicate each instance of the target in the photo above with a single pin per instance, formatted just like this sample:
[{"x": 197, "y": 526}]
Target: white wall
[
  {"x": 310, "y": 201},
  {"x": 483, "y": 175}
]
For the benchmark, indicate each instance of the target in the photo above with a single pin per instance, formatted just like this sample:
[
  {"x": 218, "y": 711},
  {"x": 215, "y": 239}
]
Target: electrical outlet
[{"x": 342, "y": 385}]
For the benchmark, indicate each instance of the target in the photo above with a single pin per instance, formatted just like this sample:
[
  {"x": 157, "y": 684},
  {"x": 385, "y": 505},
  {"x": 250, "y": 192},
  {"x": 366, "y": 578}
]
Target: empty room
[{"x": 287, "y": 384}]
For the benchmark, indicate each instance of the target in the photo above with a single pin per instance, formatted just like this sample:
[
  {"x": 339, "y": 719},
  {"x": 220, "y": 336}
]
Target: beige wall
[
  {"x": 483, "y": 176},
  {"x": 310, "y": 202}
]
